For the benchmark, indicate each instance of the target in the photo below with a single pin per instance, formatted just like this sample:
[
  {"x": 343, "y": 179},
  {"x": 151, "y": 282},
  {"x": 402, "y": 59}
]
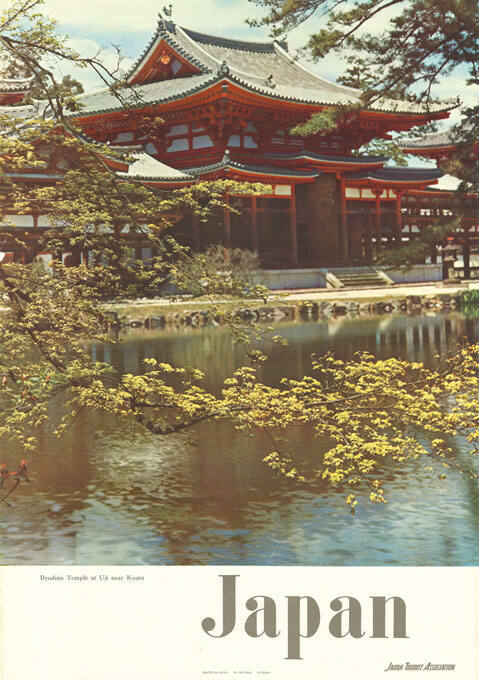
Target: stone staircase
[{"x": 358, "y": 277}]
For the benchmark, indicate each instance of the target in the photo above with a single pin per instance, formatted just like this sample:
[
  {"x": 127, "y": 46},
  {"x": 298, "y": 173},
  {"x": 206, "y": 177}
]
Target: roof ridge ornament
[
  {"x": 270, "y": 81},
  {"x": 226, "y": 157},
  {"x": 223, "y": 69},
  {"x": 163, "y": 16}
]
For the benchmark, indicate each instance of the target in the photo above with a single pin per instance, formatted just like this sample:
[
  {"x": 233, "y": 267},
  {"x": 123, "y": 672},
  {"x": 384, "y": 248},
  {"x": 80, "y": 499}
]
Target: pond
[{"x": 111, "y": 493}]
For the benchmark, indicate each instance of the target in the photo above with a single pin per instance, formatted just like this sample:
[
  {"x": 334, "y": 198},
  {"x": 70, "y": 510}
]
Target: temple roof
[
  {"x": 9, "y": 85},
  {"x": 324, "y": 158},
  {"x": 259, "y": 62},
  {"x": 164, "y": 91},
  {"x": 17, "y": 111},
  {"x": 13, "y": 90},
  {"x": 448, "y": 183},
  {"x": 39, "y": 176},
  {"x": 145, "y": 166},
  {"x": 269, "y": 171},
  {"x": 265, "y": 67},
  {"x": 396, "y": 174},
  {"x": 102, "y": 101},
  {"x": 444, "y": 138},
  {"x": 24, "y": 111}
]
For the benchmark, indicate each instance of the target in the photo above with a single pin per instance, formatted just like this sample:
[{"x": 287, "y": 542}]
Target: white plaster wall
[
  {"x": 418, "y": 273},
  {"x": 20, "y": 220},
  {"x": 276, "y": 279},
  {"x": 43, "y": 221},
  {"x": 202, "y": 142}
]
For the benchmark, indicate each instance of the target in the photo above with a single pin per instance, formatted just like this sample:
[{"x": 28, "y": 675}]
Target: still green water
[{"x": 110, "y": 493}]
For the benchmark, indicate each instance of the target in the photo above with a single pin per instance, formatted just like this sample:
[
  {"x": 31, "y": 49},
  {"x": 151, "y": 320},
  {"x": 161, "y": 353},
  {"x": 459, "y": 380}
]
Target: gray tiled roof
[
  {"x": 228, "y": 43},
  {"x": 398, "y": 174},
  {"x": 297, "y": 93},
  {"x": 163, "y": 91},
  {"x": 264, "y": 67},
  {"x": 268, "y": 68},
  {"x": 309, "y": 155},
  {"x": 24, "y": 112},
  {"x": 103, "y": 101},
  {"x": 40, "y": 176},
  {"x": 448, "y": 183},
  {"x": 15, "y": 84},
  {"x": 18, "y": 112},
  {"x": 256, "y": 62},
  {"x": 269, "y": 170},
  {"x": 146, "y": 167},
  {"x": 431, "y": 139}
]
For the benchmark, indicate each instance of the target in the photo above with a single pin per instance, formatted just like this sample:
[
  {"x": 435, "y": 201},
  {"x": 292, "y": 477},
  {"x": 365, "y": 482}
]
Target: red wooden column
[
  {"x": 343, "y": 226},
  {"x": 196, "y": 234},
  {"x": 293, "y": 231},
  {"x": 254, "y": 224},
  {"x": 75, "y": 259},
  {"x": 377, "y": 205}
]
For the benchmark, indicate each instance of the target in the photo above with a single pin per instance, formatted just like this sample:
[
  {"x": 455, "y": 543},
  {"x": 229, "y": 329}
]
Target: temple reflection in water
[{"x": 111, "y": 493}]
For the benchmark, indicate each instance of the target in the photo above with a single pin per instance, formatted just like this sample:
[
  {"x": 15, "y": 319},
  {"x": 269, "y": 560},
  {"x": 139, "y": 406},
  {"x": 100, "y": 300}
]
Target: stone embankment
[
  {"x": 408, "y": 304},
  {"x": 300, "y": 310}
]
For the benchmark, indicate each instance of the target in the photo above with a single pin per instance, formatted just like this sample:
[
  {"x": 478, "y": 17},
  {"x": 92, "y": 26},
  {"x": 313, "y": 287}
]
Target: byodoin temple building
[{"x": 226, "y": 108}]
